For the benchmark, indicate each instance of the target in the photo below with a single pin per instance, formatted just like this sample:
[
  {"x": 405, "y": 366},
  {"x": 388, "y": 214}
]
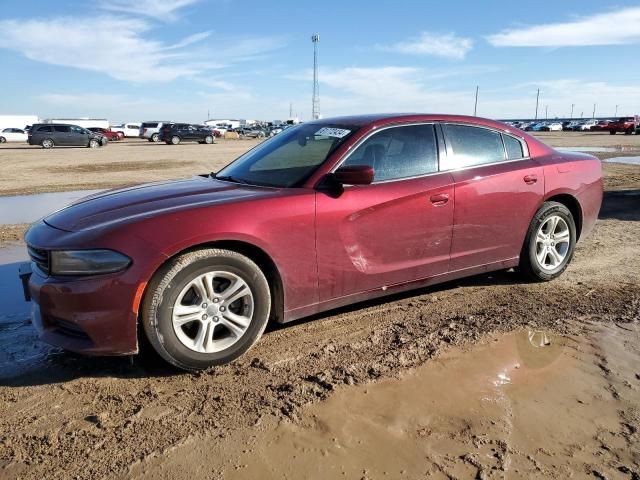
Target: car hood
[{"x": 149, "y": 200}]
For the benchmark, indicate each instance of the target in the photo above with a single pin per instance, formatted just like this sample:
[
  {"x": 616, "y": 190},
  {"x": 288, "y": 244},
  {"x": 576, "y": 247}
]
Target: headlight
[{"x": 87, "y": 262}]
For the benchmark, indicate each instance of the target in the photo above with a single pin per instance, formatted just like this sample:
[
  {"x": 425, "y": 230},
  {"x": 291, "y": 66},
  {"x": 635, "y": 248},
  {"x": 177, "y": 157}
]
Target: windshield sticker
[{"x": 333, "y": 132}]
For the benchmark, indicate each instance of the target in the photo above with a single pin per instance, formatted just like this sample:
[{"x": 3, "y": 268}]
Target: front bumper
[{"x": 86, "y": 315}]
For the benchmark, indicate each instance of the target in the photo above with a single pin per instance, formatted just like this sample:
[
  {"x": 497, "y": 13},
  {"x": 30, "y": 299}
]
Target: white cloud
[
  {"x": 613, "y": 28},
  {"x": 446, "y": 45},
  {"x": 121, "y": 48},
  {"x": 166, "y": 10}
]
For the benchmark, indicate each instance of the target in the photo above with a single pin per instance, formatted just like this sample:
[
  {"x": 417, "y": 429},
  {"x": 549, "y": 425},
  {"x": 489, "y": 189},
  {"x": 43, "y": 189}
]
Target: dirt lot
[{"x": 488, "y": 377}]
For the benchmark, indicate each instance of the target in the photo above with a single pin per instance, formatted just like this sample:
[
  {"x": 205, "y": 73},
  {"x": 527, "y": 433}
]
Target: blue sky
[{"x": 134, "y": 60}]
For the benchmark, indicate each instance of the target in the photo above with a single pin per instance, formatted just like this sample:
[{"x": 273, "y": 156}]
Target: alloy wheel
[
  {"x": 552, "y": 242},
  {"x": 213, "y": 311}
]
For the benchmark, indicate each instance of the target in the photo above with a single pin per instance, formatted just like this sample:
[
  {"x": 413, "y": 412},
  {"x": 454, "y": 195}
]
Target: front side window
[
  {"x": 472, "y": 146},
  {"x": 286, "y": 160},
  {"x": 398, "y": 152},
  {"x": 79, "y": 130}
]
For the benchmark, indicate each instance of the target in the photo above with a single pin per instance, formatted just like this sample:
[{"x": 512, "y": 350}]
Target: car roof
[{"x": 390, "y": 118}]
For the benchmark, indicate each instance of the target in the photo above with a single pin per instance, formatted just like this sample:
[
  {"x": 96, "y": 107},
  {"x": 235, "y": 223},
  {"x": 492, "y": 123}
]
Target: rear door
[
  {"x": 498, "y": 189},
  {"x": 62, "y": 135},
  {"x": 396, "y": 229}
]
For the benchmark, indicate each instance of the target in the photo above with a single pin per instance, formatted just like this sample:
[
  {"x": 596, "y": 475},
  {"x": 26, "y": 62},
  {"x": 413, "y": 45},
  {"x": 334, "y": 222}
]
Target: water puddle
[
  {"x": 29, "y": 208},
  {"x": 627, "y": 160},
  {"x": 627, "y": 148},
  {"x": 20, "y": 349},
  {"x": 529, "y": 405}
]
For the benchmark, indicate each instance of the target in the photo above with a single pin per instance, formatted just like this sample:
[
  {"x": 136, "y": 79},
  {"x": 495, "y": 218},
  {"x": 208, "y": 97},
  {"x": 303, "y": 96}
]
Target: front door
[{"x": 393, "y": 231}]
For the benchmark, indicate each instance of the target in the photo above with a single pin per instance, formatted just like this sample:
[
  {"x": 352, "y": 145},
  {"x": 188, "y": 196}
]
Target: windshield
[{"x": 289, "y": 158}]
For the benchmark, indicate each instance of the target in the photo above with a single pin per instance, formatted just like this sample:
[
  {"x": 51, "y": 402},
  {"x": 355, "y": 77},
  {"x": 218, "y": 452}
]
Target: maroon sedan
[
  {"x": 325, "y": 214},
  {"x": 111, "y": 136}
]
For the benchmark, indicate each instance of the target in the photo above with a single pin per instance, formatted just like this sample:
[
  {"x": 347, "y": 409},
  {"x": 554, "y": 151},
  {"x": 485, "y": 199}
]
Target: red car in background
[
  {"x": 325, "y": 214},
  {"x": 601, "y": 126},
  {"x": 111, "y": 136},
  {"x": 627, "y": 125}
]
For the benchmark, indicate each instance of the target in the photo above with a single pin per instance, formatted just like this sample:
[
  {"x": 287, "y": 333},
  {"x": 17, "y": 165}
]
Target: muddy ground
[{"x": 487, "y": 377}]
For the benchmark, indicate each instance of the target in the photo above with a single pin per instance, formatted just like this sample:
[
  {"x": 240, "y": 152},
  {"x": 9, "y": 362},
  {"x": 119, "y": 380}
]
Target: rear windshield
[{"x": 150, "y": 125}]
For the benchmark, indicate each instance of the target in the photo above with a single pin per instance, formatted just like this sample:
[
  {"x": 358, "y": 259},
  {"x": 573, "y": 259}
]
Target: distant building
[
  {"x": 81, "y": 122},
  {"x": 17, "y": 121}
]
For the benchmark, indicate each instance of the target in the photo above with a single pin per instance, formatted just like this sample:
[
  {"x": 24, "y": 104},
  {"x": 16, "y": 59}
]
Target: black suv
[
  {"x": 50, "y": 135},
  {"x": 174, "y": 133}
]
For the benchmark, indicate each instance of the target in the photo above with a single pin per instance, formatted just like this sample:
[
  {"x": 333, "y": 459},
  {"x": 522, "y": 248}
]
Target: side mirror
[{"x": 354, "y": 175}]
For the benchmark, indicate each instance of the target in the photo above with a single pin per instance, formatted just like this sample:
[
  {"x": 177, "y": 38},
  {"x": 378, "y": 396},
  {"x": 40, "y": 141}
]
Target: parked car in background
[
  {"x": 586, "y": 126},
  {"x": 108, "y": 134},
  {"x": 13, "y": 135},
  {"x": 601, "y": 126},
  {"x": 570, "y": 125},
  {"x": 216, "y": 257},
  {"x": 127, "y": 129},
  {"x": 150, "y": 130},
  {"x": 252, "y": 132},
  {"x": 175, "y": 133},
  {"x": 551, "y": 127},
  {"x": 50, "y": 135},
  {"x": 628, "y": 125}
]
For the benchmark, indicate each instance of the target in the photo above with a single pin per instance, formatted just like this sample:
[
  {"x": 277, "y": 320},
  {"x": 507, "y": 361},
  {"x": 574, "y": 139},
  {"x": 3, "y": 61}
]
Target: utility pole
[
  {"x": 616, "y": 114},
  {"x": 208, "y": 116},
  {"x": 572, "y": 105},
  {"x": 290, "y": 109},
  {"x": 475, "y": 107},
  {"x": 537, "y": 98},
  {"x": 315, "y": 100},
  {"x": 594, "y": 111},
  {"x": 546, "y": 112}
]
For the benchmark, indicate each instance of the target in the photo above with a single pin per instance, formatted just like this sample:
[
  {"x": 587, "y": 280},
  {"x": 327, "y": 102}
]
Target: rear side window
[
  {"x": 398, "y": 152},
  {"x": 514, "y": 147},
  {"x": 150, "y": 125},
  {"x": 132, "y": 126},
  {"x": 472, "y": 146},
  {"x": 45, "y": 128},
  {"x": 62, "y": 128}
]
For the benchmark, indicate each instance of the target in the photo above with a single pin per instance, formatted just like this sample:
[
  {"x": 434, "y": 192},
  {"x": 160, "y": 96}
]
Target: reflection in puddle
[{"x": 29, "y": 208}]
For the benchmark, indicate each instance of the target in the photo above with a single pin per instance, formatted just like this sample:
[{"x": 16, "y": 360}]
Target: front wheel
[
  {"x": 94, "y": 143},
  {"x": 549, "y": 244},
  {"x": 612, "y": 132},
  {"x": 3, "y": 140},
  {"x": 208, "y": 139},
  {"x": 175, "y": 140},
  {"x": 206, "y": 308}
]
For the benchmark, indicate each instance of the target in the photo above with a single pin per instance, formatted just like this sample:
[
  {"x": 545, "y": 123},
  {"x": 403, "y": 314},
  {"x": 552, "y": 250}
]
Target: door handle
[
  {"x": 530, "y": 179},
  {"x": 439, "y": 199}
]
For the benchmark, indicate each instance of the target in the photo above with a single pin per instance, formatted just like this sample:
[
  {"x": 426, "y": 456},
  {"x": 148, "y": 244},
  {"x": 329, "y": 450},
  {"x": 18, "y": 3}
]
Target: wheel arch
[
  {"x": 572, "y": 203},
  {"x": 261, "y": 258}
]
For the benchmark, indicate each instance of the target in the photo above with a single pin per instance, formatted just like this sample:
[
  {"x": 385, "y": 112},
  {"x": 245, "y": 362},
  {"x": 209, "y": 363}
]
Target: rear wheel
[
  {"x": 47, "y": 143},
  {"x": 549, "y": 244},
  {"x": 628, "y": 131},
  {"x": 206, "y": 308},
  {"x": 155, "y": 137},
  {"x": 175, "y": 140}
]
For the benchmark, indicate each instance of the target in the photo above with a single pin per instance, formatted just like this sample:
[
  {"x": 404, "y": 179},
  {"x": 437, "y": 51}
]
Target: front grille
[{"x": 40, "y": 257}]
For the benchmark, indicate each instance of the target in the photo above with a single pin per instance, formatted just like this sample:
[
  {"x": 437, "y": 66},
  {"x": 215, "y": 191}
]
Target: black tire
[
  {"x": 3, "y": 140},
  {"x": 48, "y": 143},
  {"x": 93, "y": 143},
  {"x": 529, "y": 265},
  {"x": 168, "y": 283},
  {"x": 208, "y": 139},
  {"x": 628, "y": 131},
  {"x": 612, "y": 132},
  {"x": 175, "y": 140},
  {"x": 149, "y": 140},
  {"x": 155, "y": 137}
]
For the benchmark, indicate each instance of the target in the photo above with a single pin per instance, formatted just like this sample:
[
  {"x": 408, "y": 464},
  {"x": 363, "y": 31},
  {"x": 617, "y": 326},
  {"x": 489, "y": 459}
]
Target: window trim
[
  {"x": 375, "y": 131},
  {"x": 443, "y": 148},
  {"x": 523, "y": 143}
]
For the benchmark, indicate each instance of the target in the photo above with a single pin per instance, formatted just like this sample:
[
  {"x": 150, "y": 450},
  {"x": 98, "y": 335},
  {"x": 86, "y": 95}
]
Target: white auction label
[{"x": 333, "y": 132}]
